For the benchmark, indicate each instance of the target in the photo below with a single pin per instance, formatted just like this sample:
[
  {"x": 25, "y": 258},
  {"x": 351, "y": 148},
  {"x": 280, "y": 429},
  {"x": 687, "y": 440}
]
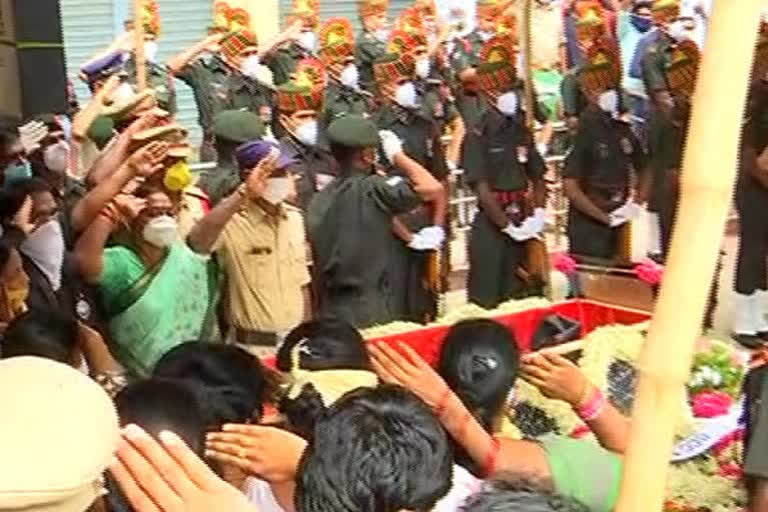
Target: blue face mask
[
  {"x": 640, "y": 23},
  {"x": 16, "y": 172}
]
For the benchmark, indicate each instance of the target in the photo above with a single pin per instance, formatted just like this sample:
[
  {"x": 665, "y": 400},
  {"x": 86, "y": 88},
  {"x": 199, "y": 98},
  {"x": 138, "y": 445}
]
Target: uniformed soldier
[
  {"x": 343, "y": 94},
  {"x": 283, "y": 59},
  {"x": 400, "y": 113},
  {"x": 750, "y": 327},
  {"x": 350, "y": 222},
  {"x": 486, "y": 16},
  {"x": 230, "y": 129},
  {"x": 299, "y": 104},
  {"x": 506, "y": 172},
  {"x": 599, "y": 167},
  {"x": 669, "y": 70},
  {"x": 372, "y": 41}
]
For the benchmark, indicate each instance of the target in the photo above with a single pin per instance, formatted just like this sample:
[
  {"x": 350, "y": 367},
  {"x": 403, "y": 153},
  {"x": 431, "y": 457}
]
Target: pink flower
[
  {"x": 565, "y": 264},
  {"x": 649, "y": 271},
  {"x": 710, "y": 404}
]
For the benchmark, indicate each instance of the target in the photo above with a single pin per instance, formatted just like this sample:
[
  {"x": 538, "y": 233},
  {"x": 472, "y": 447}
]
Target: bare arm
[
  {"x": 85, "y": 117},
  {"x": 96, "y": 353},
  {"x": 489, "y": 204},
  {"x": 203, "y": 236},
  {"x": 89, "y": 249},
  {"x": 581, "y": 202},
  {"x": 401, "y": 230},
  {"x": 426, "y": 186}
]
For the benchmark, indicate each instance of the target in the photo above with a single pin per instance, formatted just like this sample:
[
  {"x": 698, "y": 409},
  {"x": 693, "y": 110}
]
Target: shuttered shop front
[
  {"x": 343, "y": 9},
  {"x": 91, "y": 25}
]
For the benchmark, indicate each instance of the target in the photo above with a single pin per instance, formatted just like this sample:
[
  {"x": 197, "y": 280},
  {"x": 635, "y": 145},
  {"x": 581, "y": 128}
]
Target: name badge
[{"x": 522, "y": 154}]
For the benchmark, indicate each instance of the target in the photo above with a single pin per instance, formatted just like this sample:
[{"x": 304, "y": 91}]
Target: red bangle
[
  {"x": 490, "y": 462},
  {"x": 593, "y": 407}
]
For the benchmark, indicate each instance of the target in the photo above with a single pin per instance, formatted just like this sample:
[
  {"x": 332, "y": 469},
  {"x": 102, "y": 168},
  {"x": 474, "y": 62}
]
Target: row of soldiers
[{"x": 424, "y": 83}]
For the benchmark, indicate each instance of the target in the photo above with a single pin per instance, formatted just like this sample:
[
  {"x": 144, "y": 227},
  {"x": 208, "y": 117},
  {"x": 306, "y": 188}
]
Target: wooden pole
[
  {"x": 528, "y": 56},
  {"x": 709, "y": 169},
  {"x": 138, "y": 28}
]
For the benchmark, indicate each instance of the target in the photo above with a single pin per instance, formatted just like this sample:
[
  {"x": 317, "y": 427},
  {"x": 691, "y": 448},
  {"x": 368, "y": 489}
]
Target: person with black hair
[
  {"x": 234, "y": 383},
  {"x": 479, "y": 361},
  {"x": 14, "y": 164},
  {"x": 520, "y": 495},
  {"x": 377, "y": 450},
  {"x": 326, "y": 344},
  {"x": 349, "y": 222},
  {"x": 43, "y": 333}
]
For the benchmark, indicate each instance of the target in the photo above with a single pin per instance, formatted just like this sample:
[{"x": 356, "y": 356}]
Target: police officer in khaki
[
  {"x": 506, "y": 172},
  {"x": 350, "y": 221}
]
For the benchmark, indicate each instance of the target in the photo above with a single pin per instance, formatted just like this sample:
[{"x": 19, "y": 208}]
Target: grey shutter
[
  {"x": 182, "y": 24},
  {"x": 344, "y": 9},
  {"x": 88, "y": 27}
]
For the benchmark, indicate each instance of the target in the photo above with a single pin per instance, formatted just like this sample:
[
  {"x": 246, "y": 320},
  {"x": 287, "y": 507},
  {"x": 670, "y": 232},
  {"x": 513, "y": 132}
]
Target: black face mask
[{"x": 640, "y": 23}]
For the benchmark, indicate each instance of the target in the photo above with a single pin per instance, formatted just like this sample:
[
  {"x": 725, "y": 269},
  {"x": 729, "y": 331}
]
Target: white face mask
[
  {"x": 382, "y": 35},
  {"x": 161, "y": 231},
  {"x": 250, "y": 66},
  {"x": 307, "y": 40},
  {"x": 306, "y": 133},
  {"x": 350, "y": 76},
  {"x": 485, "y": 36},
  {"x": 405, "y": 95},
  {"x": 609, "y": 102},
  {"x": 45, "y": 247},
  {"x": 124, "y": 92},
  {"x": 56, "y": 156},
  {"x": 150, "y": 50},
  {"x": 423, "y": 68},
  {"x": 507, "y": 104},
  {"x": 278, "y": 190},
  {"x": 678, "y": 32}
]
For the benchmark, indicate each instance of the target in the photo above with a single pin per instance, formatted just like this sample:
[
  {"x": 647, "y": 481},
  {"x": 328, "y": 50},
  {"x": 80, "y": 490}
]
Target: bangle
[
  {"x": 443, "y": 402},
  {"x": 590, "y": 410},
  {"x": 490, "y": 461}
]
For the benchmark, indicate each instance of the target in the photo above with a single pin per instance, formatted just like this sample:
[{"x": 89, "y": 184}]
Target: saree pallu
[{"x": 170, "y": 304}]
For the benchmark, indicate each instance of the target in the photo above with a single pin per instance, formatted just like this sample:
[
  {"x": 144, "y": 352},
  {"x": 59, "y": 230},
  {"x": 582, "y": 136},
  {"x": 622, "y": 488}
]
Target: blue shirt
[{"x": 636, "y": 68}]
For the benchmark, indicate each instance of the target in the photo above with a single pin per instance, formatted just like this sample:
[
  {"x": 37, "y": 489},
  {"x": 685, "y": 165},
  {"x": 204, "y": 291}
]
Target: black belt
[{"x": 247, "y": 337}]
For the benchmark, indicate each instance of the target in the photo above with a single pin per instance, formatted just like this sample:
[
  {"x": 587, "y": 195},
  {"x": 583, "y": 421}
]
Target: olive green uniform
[
  {"x": 219, "y": 182},
  {"x": 341, "y": 101},
  {"x": 500, "y": 152},
  {"x": 283, "y": 61},
  {"x": 244, "y": 93},
  {"x": 602, "y": 158},
  {"x": 420, "y": 135},
  {"x": 159, "y": 79},
  {"x": 315, "y": 167},
  {"x": 368, "y": 49},
  {"x": 349, "y": 224},
  {"x": 467, "y": 55},
  {"x": 207, "y": 77}
]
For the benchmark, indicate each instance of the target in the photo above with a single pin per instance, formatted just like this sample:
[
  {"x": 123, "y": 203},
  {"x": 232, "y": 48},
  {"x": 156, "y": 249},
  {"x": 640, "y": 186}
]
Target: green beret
[
  {"x": 101, "y": 130},
  {"x": 238, "y": 126},
  {"x": 354, "y": 131}
]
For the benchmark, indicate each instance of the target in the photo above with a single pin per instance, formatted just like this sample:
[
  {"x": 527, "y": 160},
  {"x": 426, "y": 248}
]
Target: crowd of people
[{"x": 137, "y": 297}]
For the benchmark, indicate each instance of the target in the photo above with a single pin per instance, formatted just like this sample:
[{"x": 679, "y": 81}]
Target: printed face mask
[
  {"x": 161, "y": 231},
  {"x": 405, "y": 96}
]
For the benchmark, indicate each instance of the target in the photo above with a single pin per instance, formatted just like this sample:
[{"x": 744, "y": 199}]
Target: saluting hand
[
  {"x": 256, "y": 182},
  {"x": 129, "y": 207},
  {"x": 148, "y": 159}
]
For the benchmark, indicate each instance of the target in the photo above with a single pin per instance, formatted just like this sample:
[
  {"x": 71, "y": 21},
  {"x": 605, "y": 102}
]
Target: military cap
[
  {"x": 665, "y": 11},
  {"x": 132, "y": 106},
  {"x": 488, "y": 8},
  {"x": 150, "y": 17},
  {"x": 236, "y": 42},
  {"x": 102, "y": 68},
  {"x": 307, "y": 89},
  {"x": 52, "y": 466},
  {"x": 238, "y": 126},
  {"x": 337, "y": 41},
  {"x": 507, "y": 24},
  {"x": 601, "y": 70},
  {"x": 354, "y": 131},
  {"x": 306, "y": 10},
  {"x": 496, "y": 71},
  {"x": 366, "y": 8},
  {"x": 392, "y": 67},
  {"x": 683, "y": 69}
]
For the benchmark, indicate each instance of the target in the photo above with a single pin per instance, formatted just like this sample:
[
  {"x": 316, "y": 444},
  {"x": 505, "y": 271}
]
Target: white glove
[
  {"x": 428, "y": 239},
  {"x": 517, "y": 234},
  {"x": 451, "y": 165},
  {"x": 31, "y": 134},
  {"x": 542, "y": 148},
  {"x": 391, "y": 144},
  {"x": 629, "y": 211},
  {"x": 617, "y": 220},
  {"x": 534, "y": 224}
]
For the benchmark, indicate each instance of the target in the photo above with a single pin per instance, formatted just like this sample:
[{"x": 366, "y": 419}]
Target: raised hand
[
  {"x": 556, "y": 377},
  {"x": 23, "y": 218},
  {"x": 256, "y": 182},
  {"x": 268, "y": 453},
  {"x": 148, "y": 159},
  {"x": 128, "y": 207},
  {"x": 409, "y": 371},
  {"x": 167, "y": 476},
  {"x": 31, "y": 134}
]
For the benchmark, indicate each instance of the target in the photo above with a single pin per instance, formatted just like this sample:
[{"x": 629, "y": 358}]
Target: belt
[{"x": 247, "y": 337}]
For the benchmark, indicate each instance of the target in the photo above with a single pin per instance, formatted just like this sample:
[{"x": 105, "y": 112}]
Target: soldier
[
  {"x": 486, "y": 15},
  {"x": 372, "y": 41},
  {"x": 420, "y": 232},
  {"x": 506, "y": 172},
  {"x": 750, "y": 327},
  {"x": 343, "y": 95},
  {"x": 350, "y": 221},
  {"x": 299, "y": 104},
  {"x": 669, "y": 67},
  {"x": 230, "y": 129},
  {"x": 284, "y": 58},
  {"x": 598, "y": 170}
]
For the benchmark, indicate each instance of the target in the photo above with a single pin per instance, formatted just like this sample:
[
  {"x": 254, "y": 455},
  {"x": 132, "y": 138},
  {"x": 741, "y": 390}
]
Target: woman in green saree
[{"x": 156, "y": 292}]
